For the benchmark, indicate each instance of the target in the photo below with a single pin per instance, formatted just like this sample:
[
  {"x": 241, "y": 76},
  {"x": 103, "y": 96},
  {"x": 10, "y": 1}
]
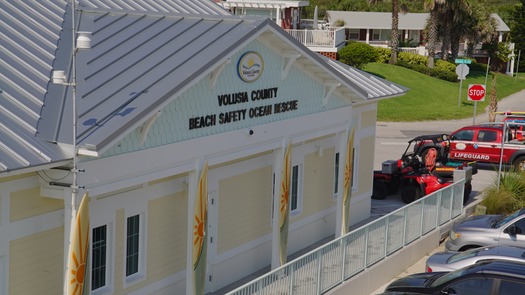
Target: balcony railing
[
  {"x": 330, "y": 265},
  {"x": 320, "y": 38}
]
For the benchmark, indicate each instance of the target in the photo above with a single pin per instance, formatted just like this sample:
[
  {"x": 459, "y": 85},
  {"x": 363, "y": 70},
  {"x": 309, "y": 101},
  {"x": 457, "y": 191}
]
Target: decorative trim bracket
[
  {"x": 217, "y": 72},
  {"x": 291, "y": 57},
  {"x": 332, "y": 86},
  {"x": 147, "y": 126}
]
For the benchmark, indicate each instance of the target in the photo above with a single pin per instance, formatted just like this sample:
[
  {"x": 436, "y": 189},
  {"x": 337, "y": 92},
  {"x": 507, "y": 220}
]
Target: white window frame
[
  {"x": 299, "y": 210},
  {"x": 337, "y": 162},
  {"x": 108, "y": 287},
  {"x": 141, "y": 273},
  {"x": 355, "y": 33}
]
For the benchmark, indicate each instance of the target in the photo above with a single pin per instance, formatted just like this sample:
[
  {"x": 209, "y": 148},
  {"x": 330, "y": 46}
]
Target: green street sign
[{"x": 463, "y": 61}]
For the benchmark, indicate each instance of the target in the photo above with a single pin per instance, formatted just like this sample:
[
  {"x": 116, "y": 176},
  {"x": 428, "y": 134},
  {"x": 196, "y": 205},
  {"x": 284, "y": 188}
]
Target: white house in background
[
  {"x": 285, "y": 13},
  {"x": 375, "y": 28},
  {"x": 164, "y": 88}
]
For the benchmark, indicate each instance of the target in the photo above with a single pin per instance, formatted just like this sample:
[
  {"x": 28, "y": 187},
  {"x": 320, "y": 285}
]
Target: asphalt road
[
  {"x": 392, "y": 140},
  {"x": 391, "y": 143}
]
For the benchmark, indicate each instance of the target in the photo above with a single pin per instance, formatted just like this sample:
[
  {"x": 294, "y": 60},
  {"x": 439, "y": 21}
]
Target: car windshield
[
  {"x": 463, "y": 255},
  {"x": 450, "y": 276},
  {"x": 501, "y": 222}
]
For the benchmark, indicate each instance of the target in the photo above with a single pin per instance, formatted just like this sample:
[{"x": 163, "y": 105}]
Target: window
[
  {"x": 336, "y": 181},
  {"x": 376, "y": 35},
  {"x": 464, "y": 135},
  {"x": 98, "y": 259},
  {"x": 487, "y": 136},
  {"x": 511, "y": 288},
  {"x": 132, "y": 245},
  {"x": 294, "y": 189},
  {"x": 353, "y": 34},
  {"x": 481, "y": 285},
  {"x": 336, "y": 185}
]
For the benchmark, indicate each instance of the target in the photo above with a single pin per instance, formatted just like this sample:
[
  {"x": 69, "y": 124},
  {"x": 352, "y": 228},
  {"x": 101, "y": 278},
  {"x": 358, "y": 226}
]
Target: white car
[{"x": 449, "y": 261}]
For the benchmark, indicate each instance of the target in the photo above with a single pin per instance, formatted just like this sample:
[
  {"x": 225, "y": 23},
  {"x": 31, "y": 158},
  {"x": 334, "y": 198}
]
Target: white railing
[
  {"x": 331, "y": 264},
  {"x": 319, "y": 38}
]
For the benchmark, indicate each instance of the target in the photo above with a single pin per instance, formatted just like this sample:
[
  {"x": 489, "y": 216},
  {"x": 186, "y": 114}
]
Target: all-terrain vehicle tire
[
  {"x": 466, "y": 193},
  {"x": 381, "y": 190},
  {"x": 411, "y": 193},
  {"x": 519, "y": 163}
]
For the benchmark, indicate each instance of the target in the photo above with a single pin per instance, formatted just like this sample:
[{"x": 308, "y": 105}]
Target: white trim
[
  {"x": 160, "y": 284},
  {"x": 140, "y": 275},
  {"x": 110, "y": 261},
  {"x": 3, "y": 277},
  {"x": 130, "y": 169}
]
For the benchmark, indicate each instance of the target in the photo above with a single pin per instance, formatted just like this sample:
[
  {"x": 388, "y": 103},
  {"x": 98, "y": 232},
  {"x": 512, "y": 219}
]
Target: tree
[
  {"x": 493, "y": 104},
  {"x": 394, "y": 38},
  {"x": 517, "y": 27},
  {"x": 434, "y": 6}
]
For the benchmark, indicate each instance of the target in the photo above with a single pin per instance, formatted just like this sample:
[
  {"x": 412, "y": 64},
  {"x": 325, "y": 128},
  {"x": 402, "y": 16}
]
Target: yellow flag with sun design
[
  {"x": 284, "y": 209},
  {"x": 347, "y": 186},
  {"x": 78, "y": 249},
  {"x": 200, "y": 223}
]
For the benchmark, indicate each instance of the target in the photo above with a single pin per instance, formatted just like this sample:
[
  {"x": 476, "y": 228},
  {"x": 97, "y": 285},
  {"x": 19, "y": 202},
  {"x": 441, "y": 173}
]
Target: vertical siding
[
  {"x": 28, "y": 203},
  {"x": 36, "y": 263},
  {"x": 318, "y": 182},
  {"x": 244, "y": 208},
  {"x": 368, "y": 118},
  {"x": 167, "y": 235},
  {"x": 366, "y": 165}
]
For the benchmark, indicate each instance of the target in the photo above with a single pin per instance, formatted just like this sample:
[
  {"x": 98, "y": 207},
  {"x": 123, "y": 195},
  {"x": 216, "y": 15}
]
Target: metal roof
[
  {"x": 201, "y": 7},
  {"x": 138, "y": 61},
  {"x": 31, "y": 39},
  {"x": 373, "y": 86},
  {"x": 383, "y": 20}
]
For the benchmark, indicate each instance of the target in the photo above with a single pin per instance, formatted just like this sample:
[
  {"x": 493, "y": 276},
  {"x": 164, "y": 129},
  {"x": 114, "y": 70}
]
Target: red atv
[{"x": 416, "y": 177}]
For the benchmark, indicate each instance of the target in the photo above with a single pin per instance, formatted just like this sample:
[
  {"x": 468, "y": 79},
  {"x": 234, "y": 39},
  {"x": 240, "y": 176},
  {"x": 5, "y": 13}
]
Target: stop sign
[{"x": 476, "y": 92}]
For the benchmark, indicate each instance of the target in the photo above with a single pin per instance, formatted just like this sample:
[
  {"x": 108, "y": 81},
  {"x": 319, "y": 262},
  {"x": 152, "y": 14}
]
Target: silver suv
[{"x": 488, "y": 230}]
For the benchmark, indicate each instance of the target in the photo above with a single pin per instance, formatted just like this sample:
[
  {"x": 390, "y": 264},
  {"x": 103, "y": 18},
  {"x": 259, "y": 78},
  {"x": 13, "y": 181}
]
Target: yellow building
[{"x": 158, "y": 92}]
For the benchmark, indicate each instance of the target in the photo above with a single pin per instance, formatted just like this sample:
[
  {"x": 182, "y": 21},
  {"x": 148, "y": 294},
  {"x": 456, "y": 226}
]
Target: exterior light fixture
[
  {"x": 59, "y": 77},
  {"x": 83, "y": 40}
]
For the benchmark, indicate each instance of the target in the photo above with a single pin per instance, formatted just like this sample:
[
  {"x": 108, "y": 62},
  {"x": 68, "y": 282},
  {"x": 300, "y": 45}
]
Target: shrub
[
  {"x": 357, "y": 54},
  {"x": 510, "y": 196},
  {"x": 445, "y": 65},
  {"x": 477, "y": 67},
  {"x": 445, "y": 75},
  {"x": 412, "y": 58},
  {"x": 383, "y": 54}
]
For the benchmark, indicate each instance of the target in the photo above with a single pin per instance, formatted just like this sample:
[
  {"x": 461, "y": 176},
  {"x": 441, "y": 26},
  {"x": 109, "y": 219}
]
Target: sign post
[
  {"x": 476, "y": 92},
  {"x": 462, "y": 71}
]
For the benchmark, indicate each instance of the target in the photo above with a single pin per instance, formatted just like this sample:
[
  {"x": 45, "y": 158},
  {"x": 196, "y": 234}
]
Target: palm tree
[
  {"x": 434, "y": 6},
  {"x": 395, "y": 32},
  {"x": 455, "y": 17},
  {"x": 394, "y": 39}
]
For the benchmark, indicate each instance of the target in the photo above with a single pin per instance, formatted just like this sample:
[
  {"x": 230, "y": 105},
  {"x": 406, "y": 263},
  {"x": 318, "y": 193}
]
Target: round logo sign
[
  {"x": 461, "y": 146},
  {"x": 250, "y": 66}
]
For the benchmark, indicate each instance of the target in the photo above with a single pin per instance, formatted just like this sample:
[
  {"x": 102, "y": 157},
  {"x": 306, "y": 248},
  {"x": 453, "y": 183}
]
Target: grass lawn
[{"x": 434, "y": 99}]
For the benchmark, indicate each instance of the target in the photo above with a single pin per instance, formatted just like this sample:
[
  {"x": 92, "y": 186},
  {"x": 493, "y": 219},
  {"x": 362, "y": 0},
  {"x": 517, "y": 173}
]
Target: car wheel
[
  {"x": 519, "y": 163},
  {"x": 411, "y": 193},
  {"x": 380, "y": 190}
]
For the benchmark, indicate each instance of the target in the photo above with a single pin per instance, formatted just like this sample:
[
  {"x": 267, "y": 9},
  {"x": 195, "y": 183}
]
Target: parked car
[
  {"x": 484, "y": 278},
  {"x": 449, "y": 261},
  {"x": 488, "y": 230}
]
